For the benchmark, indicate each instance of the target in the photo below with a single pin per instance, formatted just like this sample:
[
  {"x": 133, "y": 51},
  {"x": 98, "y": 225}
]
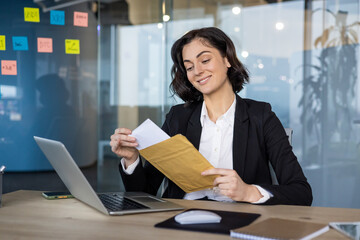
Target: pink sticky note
[
  {"x": 8, "y": 67},
  {"x": 45, "y": 45},
  {"x": 81, "y": 19}
]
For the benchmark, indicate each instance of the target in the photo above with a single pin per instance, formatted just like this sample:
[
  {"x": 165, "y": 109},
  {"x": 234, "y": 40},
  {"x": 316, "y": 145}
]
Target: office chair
[{"x": 274, "y": 180}]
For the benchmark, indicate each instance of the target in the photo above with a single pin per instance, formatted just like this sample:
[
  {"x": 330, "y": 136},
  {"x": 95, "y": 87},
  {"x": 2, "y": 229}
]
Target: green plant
[{"x": 330, "y": 89}]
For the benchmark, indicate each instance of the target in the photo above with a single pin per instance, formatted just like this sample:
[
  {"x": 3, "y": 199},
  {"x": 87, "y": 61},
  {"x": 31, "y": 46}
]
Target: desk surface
[{"x": 26, "y": 214}]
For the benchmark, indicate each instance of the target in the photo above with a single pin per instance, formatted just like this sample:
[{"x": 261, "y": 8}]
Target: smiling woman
[
  {"x": 207, "y": 70},
  {"x": 239, "y": 137},
  {"x": 214, "y": 43}
]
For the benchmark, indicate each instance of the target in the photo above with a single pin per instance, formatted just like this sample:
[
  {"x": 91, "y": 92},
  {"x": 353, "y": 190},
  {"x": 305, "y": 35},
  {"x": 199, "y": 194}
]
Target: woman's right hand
[{"x": 124, "y": 145}]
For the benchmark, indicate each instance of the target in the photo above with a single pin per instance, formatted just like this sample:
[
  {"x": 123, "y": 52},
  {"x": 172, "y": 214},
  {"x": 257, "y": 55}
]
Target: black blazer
[{"x": 259, "y": 137}]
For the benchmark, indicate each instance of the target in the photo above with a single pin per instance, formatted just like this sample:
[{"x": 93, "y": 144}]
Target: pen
[{"x": 2, "y": 168}]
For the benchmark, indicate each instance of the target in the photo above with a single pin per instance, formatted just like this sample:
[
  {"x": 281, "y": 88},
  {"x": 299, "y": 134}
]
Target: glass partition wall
[
  {"x": 302, "y": 57},
  {"x": 48, "y": 82}
]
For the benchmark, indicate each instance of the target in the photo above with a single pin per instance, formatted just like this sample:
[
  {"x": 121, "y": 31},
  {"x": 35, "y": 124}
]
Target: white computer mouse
[{"x": 197, "y": 217}]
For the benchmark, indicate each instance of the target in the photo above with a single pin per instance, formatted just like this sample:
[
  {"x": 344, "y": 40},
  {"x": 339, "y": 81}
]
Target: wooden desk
[{"x": 26, "y": 214}]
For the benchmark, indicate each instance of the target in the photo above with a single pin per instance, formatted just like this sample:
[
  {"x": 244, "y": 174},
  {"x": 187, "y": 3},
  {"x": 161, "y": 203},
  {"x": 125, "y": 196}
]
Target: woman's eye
[
  {"x": 189, "y": 68},
  {"x": 206, "y": 61}
]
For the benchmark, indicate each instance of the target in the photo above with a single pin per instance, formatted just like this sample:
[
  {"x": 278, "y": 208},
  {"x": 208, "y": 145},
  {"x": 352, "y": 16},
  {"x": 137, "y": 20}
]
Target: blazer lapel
[
  {"x": 240, "y": 138},
  {"x": 193, "y": 131}
]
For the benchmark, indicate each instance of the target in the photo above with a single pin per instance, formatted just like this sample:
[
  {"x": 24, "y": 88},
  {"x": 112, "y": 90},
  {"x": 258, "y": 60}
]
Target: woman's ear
[{"x": 228, "y": 65}]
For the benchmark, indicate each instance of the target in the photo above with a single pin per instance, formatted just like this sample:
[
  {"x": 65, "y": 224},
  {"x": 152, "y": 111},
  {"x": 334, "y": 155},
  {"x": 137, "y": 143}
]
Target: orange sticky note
[
  {"x": 45, "y": 45},
  {"x": 2, "y": 43},
  {"x": 31, "y": 15},
  {"x": 81, "y": 19},
  {"x": 8, "y": 67}
]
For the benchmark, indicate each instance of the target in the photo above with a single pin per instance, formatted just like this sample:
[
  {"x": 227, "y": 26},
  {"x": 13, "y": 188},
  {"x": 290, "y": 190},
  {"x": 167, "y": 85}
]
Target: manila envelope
[{"x": 180, "y": 162}]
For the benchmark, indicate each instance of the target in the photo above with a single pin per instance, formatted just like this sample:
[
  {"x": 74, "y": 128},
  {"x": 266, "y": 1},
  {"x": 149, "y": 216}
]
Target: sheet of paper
[{"x": 148, "y": 134}]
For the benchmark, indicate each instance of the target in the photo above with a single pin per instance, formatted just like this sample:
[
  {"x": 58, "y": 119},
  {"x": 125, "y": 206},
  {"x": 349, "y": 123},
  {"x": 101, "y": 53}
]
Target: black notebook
[{"x": 229, "y": 220}]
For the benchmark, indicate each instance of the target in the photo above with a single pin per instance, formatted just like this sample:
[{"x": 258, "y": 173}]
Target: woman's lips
[{"x": 203, "y": 80}]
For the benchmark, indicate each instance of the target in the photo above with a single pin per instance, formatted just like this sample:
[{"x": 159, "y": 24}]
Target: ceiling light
[
  {"x": 166, "y": 18},
  {"x": 236, "y": 10},
  {"x": 279, "y": 26},
  {"x": 244, "y": 54}
]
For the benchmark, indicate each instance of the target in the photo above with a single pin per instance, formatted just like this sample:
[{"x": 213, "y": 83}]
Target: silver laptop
[{"x": 114, "y": 203}]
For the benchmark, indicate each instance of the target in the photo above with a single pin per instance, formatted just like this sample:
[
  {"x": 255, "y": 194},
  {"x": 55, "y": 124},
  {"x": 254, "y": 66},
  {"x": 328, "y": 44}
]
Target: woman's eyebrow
[
  {"x": 202, "y": 53},
  {"x": 197, "y": 56}
]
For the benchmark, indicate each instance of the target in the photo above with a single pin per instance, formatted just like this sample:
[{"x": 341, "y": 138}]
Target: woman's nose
[{"x": 198, "y": 69}]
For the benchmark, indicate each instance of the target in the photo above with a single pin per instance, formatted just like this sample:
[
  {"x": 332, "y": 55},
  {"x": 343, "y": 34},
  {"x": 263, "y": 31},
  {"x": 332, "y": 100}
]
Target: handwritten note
[
  {"x": 81, "y": 19},
  {"x": 2, "y": 43},
  {"x": 31, "y": 15},
  {"x": 45, "y": 45},
  {"x": 72, "y": 46},
  {"x": 8, "y": 67},
  {"x": 20, "y": 43},
  {"x": 57, "y": 17}
]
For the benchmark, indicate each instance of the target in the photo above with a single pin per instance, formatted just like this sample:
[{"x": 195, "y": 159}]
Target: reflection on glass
[
  {"x": 52, "y": 94},
  {"x": 303, "y": 61},
  {"x": 55, "y": 118}
]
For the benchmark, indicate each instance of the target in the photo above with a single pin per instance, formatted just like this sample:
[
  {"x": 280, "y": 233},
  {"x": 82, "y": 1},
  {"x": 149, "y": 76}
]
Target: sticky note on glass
[
  {"x": 72, "y": 46},
  {"x": 31, "y": 15},
  {"x": 45, "y": 45},
  {"x": 8, "y": 67},
  {"x": 81, "y": 19},
  {"x": 57, "y": 17},
  {"x": 2, "y": 43},
  {"x": 20, "y": 43}
]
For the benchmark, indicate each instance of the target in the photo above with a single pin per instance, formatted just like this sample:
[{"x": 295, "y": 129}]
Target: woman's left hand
[{"x": 232, "y": 186}]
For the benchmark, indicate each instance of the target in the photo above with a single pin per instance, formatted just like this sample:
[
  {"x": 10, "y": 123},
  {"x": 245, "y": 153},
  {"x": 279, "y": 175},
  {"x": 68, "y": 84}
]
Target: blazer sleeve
[
  {"x": 145, "y": 178},
  {"x": 293, "y": 187}
]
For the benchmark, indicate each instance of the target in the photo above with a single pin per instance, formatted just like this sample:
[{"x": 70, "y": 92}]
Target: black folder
[{"x": 229, "y": 220}]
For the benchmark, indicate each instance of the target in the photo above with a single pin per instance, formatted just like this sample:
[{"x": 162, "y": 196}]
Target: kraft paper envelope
[{"x": 180, "y": 162}]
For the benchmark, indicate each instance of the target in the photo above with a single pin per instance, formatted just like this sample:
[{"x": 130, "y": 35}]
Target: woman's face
[{"x": 205, "y": 67}]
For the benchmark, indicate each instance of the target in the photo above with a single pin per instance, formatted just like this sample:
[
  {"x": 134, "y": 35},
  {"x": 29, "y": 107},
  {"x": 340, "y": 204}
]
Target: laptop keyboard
[{"x": 114, "y": 202}]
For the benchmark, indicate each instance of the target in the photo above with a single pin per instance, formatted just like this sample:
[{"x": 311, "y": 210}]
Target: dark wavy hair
[{"x": 213, "y": 37}]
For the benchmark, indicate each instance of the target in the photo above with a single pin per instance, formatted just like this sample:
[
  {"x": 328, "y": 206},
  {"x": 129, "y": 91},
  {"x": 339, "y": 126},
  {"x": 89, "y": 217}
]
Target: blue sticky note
[
  {"x": 20, "y": 43},
  {"x": 57, "y": 17}
]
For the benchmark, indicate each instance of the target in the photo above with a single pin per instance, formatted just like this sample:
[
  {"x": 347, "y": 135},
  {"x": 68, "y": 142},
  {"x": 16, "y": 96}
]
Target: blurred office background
[{"x": 302, "y": 56}]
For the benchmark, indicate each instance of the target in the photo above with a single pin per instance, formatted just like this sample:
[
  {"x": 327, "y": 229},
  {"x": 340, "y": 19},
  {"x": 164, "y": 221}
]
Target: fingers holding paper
[
  {"x": 124, "y": 145},
  {"x": 231, "y": 185}
]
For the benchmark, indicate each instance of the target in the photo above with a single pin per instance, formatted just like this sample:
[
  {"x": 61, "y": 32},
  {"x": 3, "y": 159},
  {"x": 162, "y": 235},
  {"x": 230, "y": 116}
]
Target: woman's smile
[{"x": 204, "y": 80}]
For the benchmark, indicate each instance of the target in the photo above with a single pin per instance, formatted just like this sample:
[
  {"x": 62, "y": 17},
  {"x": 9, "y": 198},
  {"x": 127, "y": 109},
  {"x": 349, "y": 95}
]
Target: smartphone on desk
[
  {"x": 350, "y": 229},
  {"x": 57, "y": 195}
]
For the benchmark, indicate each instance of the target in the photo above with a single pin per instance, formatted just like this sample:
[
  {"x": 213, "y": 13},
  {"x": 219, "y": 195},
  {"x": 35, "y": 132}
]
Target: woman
[{"x": 237, "y": 136}]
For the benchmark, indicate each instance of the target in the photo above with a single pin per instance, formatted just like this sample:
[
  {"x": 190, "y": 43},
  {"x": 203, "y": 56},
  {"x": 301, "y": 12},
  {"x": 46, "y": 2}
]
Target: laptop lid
[{"x": 81, "y": 189}]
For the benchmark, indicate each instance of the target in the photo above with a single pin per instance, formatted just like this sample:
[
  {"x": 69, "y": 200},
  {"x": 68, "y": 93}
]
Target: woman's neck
[{"x": 217, "y": 105}]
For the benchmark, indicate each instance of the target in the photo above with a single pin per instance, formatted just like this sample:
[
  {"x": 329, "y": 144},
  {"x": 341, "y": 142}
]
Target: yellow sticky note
[
  {"x": 72, "y": 46},
  {"x": 2, "y": 43},
  {"x": 31, "y": 15}
]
